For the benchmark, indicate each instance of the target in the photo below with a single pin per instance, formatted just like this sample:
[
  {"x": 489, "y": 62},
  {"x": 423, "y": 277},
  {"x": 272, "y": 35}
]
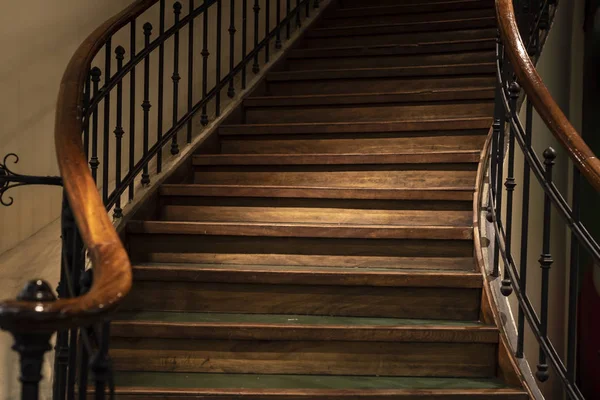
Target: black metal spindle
[
  {"x": 218, "y": 71},
  {"x": 267, "y": 29},
  {"x": 205, "y": 54},
  {"x": 77, "y": 268},
  {"x": 288, "y": 26},
  {"x": 86, "y": 125},
  {"x": 545, "y": 261},
  {"x": 176, "y": 77},
  {"x": 256, "y": 8},
  {"x": 244, "y": 39},
  {"x": 146, "y": 103},
  {"x": 573, "y": 282},
  {"x": 232, "y": 30},
  {"x": 278, "y": 25},
  {"x": 190, "y": 71},
  {"x": 119, "y": 131},
  {"x": 61, "y": 349},
  {"x": 298, "y": 16},
  {"x": 498, "y": 132},
  {"x": 132, "y": 107},
  {"x": 524, "y": 230},
  {"x": 307, "y": 8},
  {"x": 161, "y": 84},
  {"x": 100, "y": 362},
  {"x": 106, "y": 139},
  {"x": 514, "y": 90},
  {"x": 82, "y": 378},
  {"x": 316, "y": 4},
  {"x": 94, "y": 161}
]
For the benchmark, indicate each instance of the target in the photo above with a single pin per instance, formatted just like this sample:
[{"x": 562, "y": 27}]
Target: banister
[{"x": 539, "y": 95}]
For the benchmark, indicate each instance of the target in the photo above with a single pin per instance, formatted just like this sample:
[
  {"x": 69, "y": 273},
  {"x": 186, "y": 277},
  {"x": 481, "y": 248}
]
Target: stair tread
[
  {"x": 414, "y": 70},
  {"x": 301, "y": 230},
  {"x": 410, "y": 8},
  {"x": 372, "y": 98},
  {"x": 251, "y": 383},
  {"x": 306, "y": 275},
  {"x": 428, "y": 157}
]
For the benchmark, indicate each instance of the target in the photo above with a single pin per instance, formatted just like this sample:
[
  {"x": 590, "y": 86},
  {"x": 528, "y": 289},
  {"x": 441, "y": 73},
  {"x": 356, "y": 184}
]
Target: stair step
[
  {"x": 361, "y": 73},
  {"x": 483, "y": 123},
  {"x": 372, "y": 98},
  {"x": 314, "y": 215},
  {"x": 301, "y": 230},
  {"x": 305, "y": 275},
  {"x": 318, "y": 261},
  {"x": 439, "y": 47},
  {"x": 171, "y": 386},
  {"x": 333, "y": 22},
  {"x": 464, "y": 156},
  {"x": 365, "y": 28},
  {"x": 414, "y": 38},
  {"x": 349, "y": 4},
  {"x": 387, "y": 60},
  {"x": 449, "y": 193},
  {"x": 414, "y": 8}
]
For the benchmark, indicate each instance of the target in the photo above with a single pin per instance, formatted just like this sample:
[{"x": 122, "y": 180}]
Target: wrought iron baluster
[
  {"x": 120, "y": 55},
  {"x": 256, "y": 8},
  {"x": 100, "y": 363},
  {"x": 573, "y": 283},
  {"x": 94, "y": 161},
  {"x": 298, "y": 16},
  {"x": 218, "y": 72},
  {"x": 161, "y": 84},
  {"x": 498, "y": 132},
  {"x": 106, "y": 139},
  {"x": 146, "y": 103},
  {"x": 278, "y": 27},
  {"x": 205, "y": 54},
  {"x": 545, "y": 261},
  {"x": 190, "y": 99},
  {"x": 132, "y": 108},
  {"x": 267, "y": 29},
  {"x": 316, "y": 4},
  {"x": 176, "y": 77},
  {"x": 288, "y": 25},
  {"x": 244, "y": 39},
  {"x": 232, "y": 30},
  {"x": 86, "y": 124}
]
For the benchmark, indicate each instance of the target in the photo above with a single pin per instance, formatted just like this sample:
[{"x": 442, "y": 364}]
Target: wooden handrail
[
  {"x": 540, "y": 97},
  {"x": 112, "y": 269}
]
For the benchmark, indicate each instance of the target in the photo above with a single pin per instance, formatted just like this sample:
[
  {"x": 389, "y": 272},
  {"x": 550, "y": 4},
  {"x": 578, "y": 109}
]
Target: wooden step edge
[
  {"x": 417, "y": 8},
  {"x": 402, "y": 27},
  {"x": 301, "y": 230},
  {"x": 296, "y": 332},
  {"x": 372, "y": 98},
  {"x": 415, "y": 70},
  {"x": 359, "y": 127},
  {"x": 439, "y": 157},
  {"x": 307, "y": 276},
  {"x": 141, "y": 393},
  {"x": 448, "y": 193},
  {"x": 449, "y": 46}
]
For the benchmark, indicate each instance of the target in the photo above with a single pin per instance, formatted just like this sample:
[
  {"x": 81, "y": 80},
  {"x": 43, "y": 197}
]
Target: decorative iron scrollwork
[{"x": 10, "y": 179}]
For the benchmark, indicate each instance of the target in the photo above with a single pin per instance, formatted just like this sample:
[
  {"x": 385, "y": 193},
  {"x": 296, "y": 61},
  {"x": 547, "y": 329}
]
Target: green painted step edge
[
  {"x": 163, "y": 316},
  {"x": 249, "y": 381}
]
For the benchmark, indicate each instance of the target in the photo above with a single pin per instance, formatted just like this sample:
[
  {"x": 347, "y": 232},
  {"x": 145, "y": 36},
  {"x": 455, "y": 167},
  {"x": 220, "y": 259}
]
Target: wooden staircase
[{"x": 321, "y": 245}]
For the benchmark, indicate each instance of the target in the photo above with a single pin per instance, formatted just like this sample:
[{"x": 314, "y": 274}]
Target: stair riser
[
  {"x": 304, "y": 357},
  {"x": 396, "y": 39},
  {"x": 360, "y": 61},
  {"x": 406, "y": 18},
  {"x": 347, "y": 144},
  {"x": 354, "y": 10},
  {"x": 452, "y": 394},
  {"x": 348, "y": 4},
  {"x": 374, "y": 85},
  {"x": 368, "y": 113}
]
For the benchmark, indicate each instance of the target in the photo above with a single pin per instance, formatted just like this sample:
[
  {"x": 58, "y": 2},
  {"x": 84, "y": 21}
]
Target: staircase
[{"x": 321, "y": 246}]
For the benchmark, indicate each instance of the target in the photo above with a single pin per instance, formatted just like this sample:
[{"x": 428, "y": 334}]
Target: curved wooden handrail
[
  {"x": 540, "y": 97},
  {"x": 112, "y": 269}
]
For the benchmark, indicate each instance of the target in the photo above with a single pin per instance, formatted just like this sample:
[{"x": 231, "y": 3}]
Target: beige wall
[{"x": 561, "y": 67}]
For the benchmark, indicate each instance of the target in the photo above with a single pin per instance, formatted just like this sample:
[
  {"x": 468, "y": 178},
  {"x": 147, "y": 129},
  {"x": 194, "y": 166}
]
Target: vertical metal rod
[
  {"x": 146, "y": 103},
  {"x": 100, "y": 363},
  {"x": 176, "y": 77},
  {"x": 218, "y": 72},
  {"x": 278, "y": 25},
  {"x": 298, "y": 16},
  {"x": 545, "y": 263},
  {"x": 232, "y": 30},
  {"x": 256, "y": 8},
  {"x": 307, "y": 8},
  {"x": 573, "y": 283},
  {"x": 77, "y": 267},
  {"x": 120, "y": 55},
  {"x": 132, "y": 108},
  {"x": 288, "y": 26},
  {"x": 205, "y": 54},
  {"x": 244, "y": 39},
  {"x": 524, "y": 231},
  {"x": 106, "y": 139},
  {"x": 514, "y": 90},
  {"x": 161, "y": 84},
  {"x": 94, "y": 162},
  {"x": 82, "y": 379},
  {"x": 498, "y": 131},
  {"x": 190, "y": 99},
  {"x": 62, "y": 353},
  {"x": 86, "y": 125},
  {"x": 316, "y": 4},
  {"x": 267, "y": 29}
]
